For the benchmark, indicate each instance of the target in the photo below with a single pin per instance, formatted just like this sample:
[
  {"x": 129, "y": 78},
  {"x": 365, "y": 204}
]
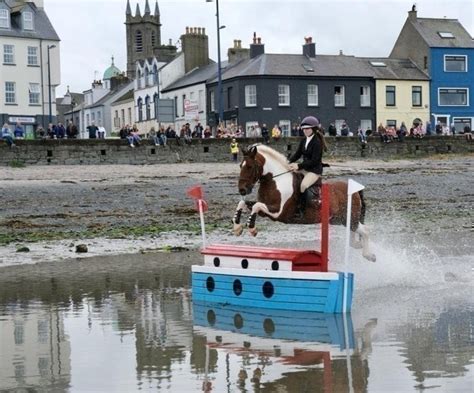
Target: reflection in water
[{"x": 126, "y": 325}]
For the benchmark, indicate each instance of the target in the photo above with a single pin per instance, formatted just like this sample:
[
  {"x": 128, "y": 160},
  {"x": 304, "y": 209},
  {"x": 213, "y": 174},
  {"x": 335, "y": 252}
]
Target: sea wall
[{"x": 115, "y": 151}]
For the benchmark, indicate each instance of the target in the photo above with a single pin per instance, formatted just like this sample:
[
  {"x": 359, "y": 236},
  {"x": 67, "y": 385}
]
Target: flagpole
[{"x": 203, "y": 227}]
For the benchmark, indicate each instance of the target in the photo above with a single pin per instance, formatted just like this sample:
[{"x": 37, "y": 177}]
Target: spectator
[
  {"x": 453, "y": 129},
  {"x": 51, "y": 131},
  {"x": 7, "y": 135},
  {"x": 402, "y": 132},
  {"x": 294, "y": 130},
  {"x": 134, "y": 137},
  {"x": 428, "y": 128},
  {"x": 240, "y": 132},
  {"x": 198, "y": 129},
  {"x": 207, "y": 132},
  {"x": 345, "y": 129},
  {"x": 439, "y": 128},
  {"x": 19, "y": 133},
  {"x": 60, "y": 131},
  {"x": 332, "y": 131},
  {"x": 468, "y": 132},
  {"x": 124, "y": 132},
  {"x": 265, "y": 134},
  {"x": 276, "y": 132},
  {"x": 101, "y": 132},
  {"x": 162, "y": 136},
  {"x": 418, "y": 130},
  {"x": 40, "y": 133},
  {"x": 361, "y": 136},
  {"x": 234, "y": 149},
  {"x": 258, "y": 131},
  {"x": 71, "y": 130},
  {"x": 92, "y": 129}
]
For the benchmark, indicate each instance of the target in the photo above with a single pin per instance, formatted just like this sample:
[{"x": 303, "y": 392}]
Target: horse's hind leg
[
  {"x": 238, "y": 226},
  {"x": 364, "y": 235},
  {"x": 355, "y": 242}
]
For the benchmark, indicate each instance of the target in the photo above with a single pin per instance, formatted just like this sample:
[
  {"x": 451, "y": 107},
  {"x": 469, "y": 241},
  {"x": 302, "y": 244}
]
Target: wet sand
[{"x": 144, "y": 209}]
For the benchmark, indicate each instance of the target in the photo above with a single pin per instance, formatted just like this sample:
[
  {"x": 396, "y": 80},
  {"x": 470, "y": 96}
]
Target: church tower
[{"x": 144, "y": 37}]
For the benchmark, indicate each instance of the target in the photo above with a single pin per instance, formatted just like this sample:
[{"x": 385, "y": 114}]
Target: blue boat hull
[{"x": 273, "y": 292}]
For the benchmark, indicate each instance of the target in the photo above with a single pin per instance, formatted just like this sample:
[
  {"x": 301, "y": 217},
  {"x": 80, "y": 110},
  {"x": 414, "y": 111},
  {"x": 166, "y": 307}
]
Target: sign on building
[{"x": 191, "y": 110}]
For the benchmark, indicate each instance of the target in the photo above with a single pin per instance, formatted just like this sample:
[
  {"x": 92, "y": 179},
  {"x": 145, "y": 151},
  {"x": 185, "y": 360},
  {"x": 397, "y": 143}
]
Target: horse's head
[{"x": 250, "y": 170}]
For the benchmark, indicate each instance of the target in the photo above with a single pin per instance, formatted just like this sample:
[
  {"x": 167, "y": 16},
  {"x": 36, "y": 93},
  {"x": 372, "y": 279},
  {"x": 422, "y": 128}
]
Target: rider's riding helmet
[{"x": 309, "y": 122}]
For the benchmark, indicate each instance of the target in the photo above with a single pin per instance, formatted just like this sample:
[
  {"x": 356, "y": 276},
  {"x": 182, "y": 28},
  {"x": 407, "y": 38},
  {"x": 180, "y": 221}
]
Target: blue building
[{"x": 445, "y": 51}]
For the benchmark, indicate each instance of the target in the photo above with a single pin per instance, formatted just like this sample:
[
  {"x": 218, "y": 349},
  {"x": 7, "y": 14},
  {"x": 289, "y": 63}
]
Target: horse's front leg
[
  {"x": 259, "y": 207},
  {"x": 364, "y": 235},
  {"x": 238, "y": 226}
]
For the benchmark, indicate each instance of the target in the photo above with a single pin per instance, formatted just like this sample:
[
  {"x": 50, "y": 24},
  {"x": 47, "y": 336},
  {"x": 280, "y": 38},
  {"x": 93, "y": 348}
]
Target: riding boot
[{"x": 302, "y": 203}]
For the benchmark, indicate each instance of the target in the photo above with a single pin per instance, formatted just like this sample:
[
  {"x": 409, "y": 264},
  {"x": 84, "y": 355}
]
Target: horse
[{"x": 278, "y": 197}]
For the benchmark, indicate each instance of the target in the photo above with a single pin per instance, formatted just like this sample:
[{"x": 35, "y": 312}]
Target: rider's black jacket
[{"x": 312, "y": 155}]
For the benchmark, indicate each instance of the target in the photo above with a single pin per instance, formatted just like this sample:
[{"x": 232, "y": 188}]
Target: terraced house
[
  {"x": 30, "y": 68},
  {"x": 445, "y": 51}
]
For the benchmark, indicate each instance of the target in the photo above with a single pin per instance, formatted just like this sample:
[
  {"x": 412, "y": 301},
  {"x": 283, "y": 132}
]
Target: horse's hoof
[
  {"x": 238, "y": 229},
  {"x": 253, "y": 231},
  {"x": 371, "y": 257}
]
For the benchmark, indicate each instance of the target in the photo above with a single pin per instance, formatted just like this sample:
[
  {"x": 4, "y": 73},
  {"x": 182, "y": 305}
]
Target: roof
[
  {"x": 42, "y": 26},
  {"x": 125, "y": 97},
  {"x": 111, "y": 72},
  {"x": 402, "y": 69},
  {"x": 428, "y": 28},
  {"x": 195, "y": 76},
  {"x": 110, "y": 95}
]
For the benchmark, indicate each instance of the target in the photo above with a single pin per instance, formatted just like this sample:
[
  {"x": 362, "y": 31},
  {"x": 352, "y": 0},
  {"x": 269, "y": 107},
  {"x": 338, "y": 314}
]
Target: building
[
  {"x": 122, "y": 111},
  {"x": 284, "y": 88},
  {"x": 445, "y": 51},
  {"x": 68, "y": 104},
  {"x": 30, "y": 70},
  {"x": 402, "y": 92}
]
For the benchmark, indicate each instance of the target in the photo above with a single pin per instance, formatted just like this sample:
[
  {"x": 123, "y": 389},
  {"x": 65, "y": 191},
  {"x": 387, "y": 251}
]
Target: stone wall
[{"x": 115, "y": 151}]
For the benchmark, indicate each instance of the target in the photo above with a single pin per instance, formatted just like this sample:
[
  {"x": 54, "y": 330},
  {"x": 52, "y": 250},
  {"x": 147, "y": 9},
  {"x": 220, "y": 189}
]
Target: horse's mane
[{"x": 277, "y": 156}]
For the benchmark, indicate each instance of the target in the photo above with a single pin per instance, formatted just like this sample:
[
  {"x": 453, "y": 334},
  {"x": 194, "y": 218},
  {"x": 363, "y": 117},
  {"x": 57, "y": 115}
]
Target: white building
[
  {"x": 122, "y": 111},
  {"x": 27, "y": 80}
]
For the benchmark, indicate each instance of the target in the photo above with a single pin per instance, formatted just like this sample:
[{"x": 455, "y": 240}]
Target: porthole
[
  {"x": 268, "y": 290},
  {"x": 238, "y": 321},
  {"x": 275, "y": 265},
  {"x": 237, "y": 287},
  {"x": 217, "y": 262},
  {"x": 245, "y": 263},
  {"x": 211, "y": 317},
  {"x": 269, "y": 326},
  {"x": 247, "y": 344},
  {"x": 210, "y": 284}
]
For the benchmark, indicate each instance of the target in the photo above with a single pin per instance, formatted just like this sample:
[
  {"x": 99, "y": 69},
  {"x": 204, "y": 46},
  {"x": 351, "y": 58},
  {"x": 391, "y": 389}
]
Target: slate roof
[
  {"x": 429, "y": 28},
  {"x": 110, "y": 95},
  {"x": 400, "y": 69},
  {"x": 42, "y": 26},
  {"x": 193, "y": 77},
  {"x": 339, "y": 66},
  {"x": 125, "y": 97}
]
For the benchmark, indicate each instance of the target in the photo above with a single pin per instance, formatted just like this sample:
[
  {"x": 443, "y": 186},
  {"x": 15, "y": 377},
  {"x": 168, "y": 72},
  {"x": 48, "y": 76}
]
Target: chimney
[
  {"x": 237, "y": 52},
  {"x": 412, "y": 15},
  {"x": 256, "y": 47},
  {"x": 309, "y": 48},
  {"x": 195, "y": 46}
]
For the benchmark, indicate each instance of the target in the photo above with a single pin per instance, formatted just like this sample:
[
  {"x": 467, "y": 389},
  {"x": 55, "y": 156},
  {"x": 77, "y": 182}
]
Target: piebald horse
[{"x": 278, "y": 197}]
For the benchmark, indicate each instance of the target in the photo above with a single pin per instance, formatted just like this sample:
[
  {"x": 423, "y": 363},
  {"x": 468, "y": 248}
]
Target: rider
[{"x": 311, "y": 148}]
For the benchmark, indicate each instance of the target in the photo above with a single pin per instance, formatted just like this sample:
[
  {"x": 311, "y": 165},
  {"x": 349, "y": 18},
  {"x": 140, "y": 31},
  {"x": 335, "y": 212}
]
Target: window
[
  {"x": 392, "y": 123},
  {"x": 212, "y": 101},
  {"x": 122, "y": 112},
  {"x": 153, "y": 39},
  {"x": 4, "y": 19},
  {"x": 283, "y": 95},
  {"x": 390, "y": 96},
  {"x": 32, "y": 56},
  {"x": 339, "y": 98},
  {"x": 338, "y": 124},
  {"x": 10, "y": 95},
  {"x": 229, "y": 98},
  {"x": 285, "y": 126},
  {"x": 366, "y": 125},
  {"x": 146, "y": 77},
  {"x": 139, "y": 79},
  {"x": 453, "y": 97},
  {"x": 93, "y": 116},
  {"x": 140, "y": 109},
  {"x": 88, "y": 119},
  {"x": 455, "y": 63},
  {"x": 182, "y": 103},
  {"x": 147, "y": 108},
  {"x": 138, "y": 41},
  {"x": 460, "y": 123},
  {"x": 313, "y": 95},
  {"x": 34, "y": 93},
  {"x": 365, "y": 96},
  {"x": 116, "y": 119},
  {"x": 200, "y": 98},
  {"x": 445, "y": 34},
  {"x": 129, "y": 115},
  {"x": 416, "y": 96},
  {"x": 250, "y": 95},
  {"x": 251, "y": 129},
  {"x": 27, "y": 21},
  {"x": 8, "y": 54},
  {"x": 176, "y": 106},
  {"x": 155, "y": 104}
]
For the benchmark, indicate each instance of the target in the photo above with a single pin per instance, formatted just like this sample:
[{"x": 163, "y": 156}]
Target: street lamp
[
  {"x": 219, "y": 70},
  {"x": 49, "y": 84}
]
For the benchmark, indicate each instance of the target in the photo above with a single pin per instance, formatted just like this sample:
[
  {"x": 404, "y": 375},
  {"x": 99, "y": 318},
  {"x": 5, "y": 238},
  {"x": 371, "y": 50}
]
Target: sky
[{"x": 92, "y": 31}]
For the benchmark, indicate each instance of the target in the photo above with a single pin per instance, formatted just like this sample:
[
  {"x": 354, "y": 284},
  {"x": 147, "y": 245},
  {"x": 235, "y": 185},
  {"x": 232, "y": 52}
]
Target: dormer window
[
  {"x": 27, "y": 20},
  {"x": 445, "y": 34},
  {"x": 4, "y": 19}
]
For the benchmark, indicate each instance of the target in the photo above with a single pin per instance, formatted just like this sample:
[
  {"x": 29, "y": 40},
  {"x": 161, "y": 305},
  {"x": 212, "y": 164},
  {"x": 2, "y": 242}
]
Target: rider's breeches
[{"x": 308, "y": 180}]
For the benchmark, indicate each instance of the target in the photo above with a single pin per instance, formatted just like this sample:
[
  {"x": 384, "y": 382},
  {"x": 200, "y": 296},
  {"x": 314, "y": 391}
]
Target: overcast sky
[{"x": 91, "y": 31}]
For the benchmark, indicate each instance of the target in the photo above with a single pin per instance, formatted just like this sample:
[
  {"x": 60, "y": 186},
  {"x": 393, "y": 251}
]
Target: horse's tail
[{"x": 362, "y": 207}]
